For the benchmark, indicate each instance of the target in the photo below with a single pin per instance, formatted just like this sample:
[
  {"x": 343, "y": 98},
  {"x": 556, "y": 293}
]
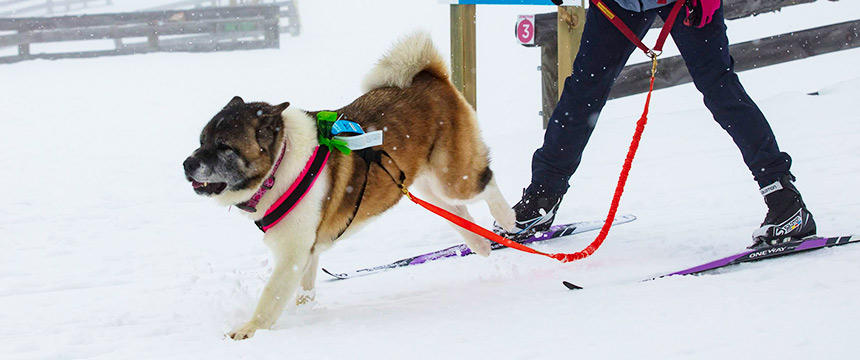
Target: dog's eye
[{"x": 224, "y": 147}]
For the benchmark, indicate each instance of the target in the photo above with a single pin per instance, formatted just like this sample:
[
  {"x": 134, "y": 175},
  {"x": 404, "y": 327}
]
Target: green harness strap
[{"x": 325, "y": 120}]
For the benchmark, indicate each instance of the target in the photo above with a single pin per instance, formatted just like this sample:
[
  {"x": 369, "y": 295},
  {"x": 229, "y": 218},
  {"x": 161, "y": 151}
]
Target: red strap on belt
[{"x": 664, "y": 33}]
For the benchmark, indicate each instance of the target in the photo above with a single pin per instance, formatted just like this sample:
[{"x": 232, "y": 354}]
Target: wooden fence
[
  {"x": 9, "y": 8},
  {"x": 195, "y": 30},
  {"x": 289, "y": 11},
  {"x": 748, "y": 55}
]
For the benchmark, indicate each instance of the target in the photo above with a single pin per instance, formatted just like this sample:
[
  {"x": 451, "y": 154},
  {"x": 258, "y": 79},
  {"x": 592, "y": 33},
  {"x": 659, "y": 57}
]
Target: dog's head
[{"x": 237, "y": 148}]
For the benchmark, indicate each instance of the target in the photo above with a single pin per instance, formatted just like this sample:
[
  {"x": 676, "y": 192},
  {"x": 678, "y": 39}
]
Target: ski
[
  {"x": 784, "y": 249},
  {"x": 787, "y": 248},
  {"x": 461, "y": 250}
]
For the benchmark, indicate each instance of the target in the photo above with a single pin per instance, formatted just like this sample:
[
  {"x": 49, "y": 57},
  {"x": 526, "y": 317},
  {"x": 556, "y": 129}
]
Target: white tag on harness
[{"x": 363, "y": 141}]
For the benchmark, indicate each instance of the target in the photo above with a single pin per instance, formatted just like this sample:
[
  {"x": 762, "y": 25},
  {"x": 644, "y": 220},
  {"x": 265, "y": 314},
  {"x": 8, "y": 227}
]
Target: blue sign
[{"x": 502, "y": 2}]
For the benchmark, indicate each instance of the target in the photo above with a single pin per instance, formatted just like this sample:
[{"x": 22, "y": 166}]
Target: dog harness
[
  {"x": 328, "y": 125},
  {"x": 289, "y": 199},
  {"x": 297, "y": 191}
]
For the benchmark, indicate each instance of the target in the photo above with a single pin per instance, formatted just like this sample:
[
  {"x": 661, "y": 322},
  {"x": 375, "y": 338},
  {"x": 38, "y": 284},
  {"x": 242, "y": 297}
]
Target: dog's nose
[{"x": 191, "y": 164}]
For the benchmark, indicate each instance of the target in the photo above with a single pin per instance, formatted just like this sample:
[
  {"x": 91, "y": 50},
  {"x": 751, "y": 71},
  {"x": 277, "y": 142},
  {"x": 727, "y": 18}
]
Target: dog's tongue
[{"x": 196, "y": 184}]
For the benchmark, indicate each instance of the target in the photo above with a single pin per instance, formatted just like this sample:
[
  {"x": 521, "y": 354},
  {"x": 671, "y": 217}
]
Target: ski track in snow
[{"x": 108, "y": 254}]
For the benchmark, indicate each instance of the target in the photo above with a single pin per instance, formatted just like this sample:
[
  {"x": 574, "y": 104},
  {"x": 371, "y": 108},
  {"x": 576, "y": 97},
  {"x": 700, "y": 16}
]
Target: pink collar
[{"x": 251, "y": 204}]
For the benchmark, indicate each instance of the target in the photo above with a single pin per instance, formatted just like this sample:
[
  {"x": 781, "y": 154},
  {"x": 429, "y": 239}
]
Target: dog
[{"x": 430, "y": 134}]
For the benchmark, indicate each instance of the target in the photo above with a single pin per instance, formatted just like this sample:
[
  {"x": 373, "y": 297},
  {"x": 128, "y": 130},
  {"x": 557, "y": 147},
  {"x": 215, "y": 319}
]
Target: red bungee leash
[{"x": 625, "y": 170}]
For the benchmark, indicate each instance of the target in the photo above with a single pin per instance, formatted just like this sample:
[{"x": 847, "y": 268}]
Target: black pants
[{"x": 601, "y": 57}]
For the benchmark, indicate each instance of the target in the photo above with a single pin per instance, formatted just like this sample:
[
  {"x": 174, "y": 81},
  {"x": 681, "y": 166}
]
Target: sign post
[
  {"x": 463, "y": 64},
  {"x": 571, "y": 22}
]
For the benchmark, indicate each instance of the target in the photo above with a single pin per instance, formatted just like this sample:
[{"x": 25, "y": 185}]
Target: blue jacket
[{"x": 641, "y": 5}]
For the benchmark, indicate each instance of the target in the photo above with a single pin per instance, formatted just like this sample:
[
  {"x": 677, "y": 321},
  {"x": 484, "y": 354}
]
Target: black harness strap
[
  {"x": 370, "y": 157},
  {"x": 273, "y": 215}
]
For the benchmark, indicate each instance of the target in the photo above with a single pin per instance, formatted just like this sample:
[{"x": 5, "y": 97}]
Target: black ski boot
[
  {"x": 535, "y": 212},
  {"x": 787, "y": 217}
]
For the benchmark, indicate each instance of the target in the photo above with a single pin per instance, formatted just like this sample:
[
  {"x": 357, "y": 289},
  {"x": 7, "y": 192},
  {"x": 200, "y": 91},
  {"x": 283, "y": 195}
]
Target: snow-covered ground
[{"x": 106, "y": 253}]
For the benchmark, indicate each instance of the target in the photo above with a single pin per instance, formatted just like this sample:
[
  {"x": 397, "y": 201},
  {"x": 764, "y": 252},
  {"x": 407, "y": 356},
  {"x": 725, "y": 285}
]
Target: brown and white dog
[{"x": 430, "y": 132}]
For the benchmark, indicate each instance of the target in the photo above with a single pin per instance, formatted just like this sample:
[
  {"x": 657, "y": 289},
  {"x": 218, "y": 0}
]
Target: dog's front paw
[
  {"x": 244, "y": 332},
  {"x": 305, "y": 297}
]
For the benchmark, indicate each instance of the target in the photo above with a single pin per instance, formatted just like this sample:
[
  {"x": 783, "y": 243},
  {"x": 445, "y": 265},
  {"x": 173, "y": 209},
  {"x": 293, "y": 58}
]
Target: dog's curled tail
[{"x": 409, "y": 56}]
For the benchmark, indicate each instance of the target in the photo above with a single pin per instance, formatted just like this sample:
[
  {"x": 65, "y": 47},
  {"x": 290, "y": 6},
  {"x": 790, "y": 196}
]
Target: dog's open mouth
[{"x": 208, "y": 188}]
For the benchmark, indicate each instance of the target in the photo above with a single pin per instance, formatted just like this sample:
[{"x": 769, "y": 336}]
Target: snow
[{"x": 108, "y": 254}]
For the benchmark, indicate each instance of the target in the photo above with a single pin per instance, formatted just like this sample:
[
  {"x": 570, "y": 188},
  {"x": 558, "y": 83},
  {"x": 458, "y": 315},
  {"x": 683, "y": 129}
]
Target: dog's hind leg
[
  {"x": 461, "y": 189},
  {"x": 476, "y": 243},
  {"x": 307, "y": 292},
  {"x": 499, "y": 207},
  {"x": 461, "y": 178}
]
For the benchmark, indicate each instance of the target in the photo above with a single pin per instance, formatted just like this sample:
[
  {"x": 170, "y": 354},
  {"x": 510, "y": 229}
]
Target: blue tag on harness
[{"x": 346, "y": 126}]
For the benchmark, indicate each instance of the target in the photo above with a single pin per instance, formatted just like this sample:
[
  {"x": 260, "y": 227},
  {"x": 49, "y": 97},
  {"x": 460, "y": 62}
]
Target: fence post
[
  {"x": 549, "y": 79},
  {"x": 463, "y": 51},
  {"x": 152, "y": 38},
  {"x": 273, "y": 31},
  {"x": 570, "y": 23},
  {"x": 23, "y": 50},
  {"x": 571, "y": 20},
  {"x": 117, "y": 40}
]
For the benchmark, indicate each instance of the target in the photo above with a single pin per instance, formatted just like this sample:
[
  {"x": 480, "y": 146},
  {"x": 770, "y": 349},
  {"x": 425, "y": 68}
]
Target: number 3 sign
[{"x": 526, "y": 29}]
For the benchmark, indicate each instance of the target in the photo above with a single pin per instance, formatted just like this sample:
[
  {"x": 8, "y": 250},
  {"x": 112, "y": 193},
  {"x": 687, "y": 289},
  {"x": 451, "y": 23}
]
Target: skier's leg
[
  {"x": 706, "y": 52},
  {"x": 602, "y": 54}
]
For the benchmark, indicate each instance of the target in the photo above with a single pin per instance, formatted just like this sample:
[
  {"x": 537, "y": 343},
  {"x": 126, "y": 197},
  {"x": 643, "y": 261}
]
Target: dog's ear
[
  {"x": 270, "y": 125},
  {"x": 278, "y": 109},
  {"x": 271, "y": 114},
  {"x": 235, "y": 101}
]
